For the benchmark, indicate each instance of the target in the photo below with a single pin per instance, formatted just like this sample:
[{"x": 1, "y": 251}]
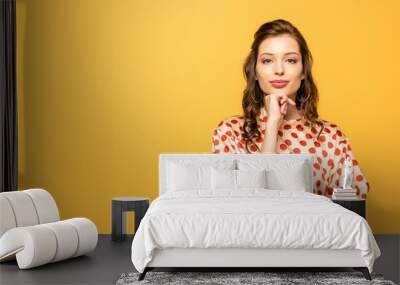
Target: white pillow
[
  {"x": 282, "y": 174},
  {"x": 236, "y": 179},
  {"x": 223, "y": 178},
  {"x": 294, "y": 178},
  {"x": 251, "y": 178},
  {"x": 188, "y": 177}
]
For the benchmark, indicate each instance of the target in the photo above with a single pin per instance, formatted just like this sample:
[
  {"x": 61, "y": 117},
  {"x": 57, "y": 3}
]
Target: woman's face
[{"x": 279, "y": 58}]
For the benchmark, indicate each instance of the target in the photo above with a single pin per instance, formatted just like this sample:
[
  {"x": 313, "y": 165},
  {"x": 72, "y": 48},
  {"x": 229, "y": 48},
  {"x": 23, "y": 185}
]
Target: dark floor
[
  {"x": 111, "y": 259},
  {"x": 102, "y": 266}
]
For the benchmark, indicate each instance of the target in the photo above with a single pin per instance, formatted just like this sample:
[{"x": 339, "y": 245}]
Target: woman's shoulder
[
  {"x": 231, "y": 126},
  {"x": 231, "y": 122},
  {"x": 333, "y": 130}
]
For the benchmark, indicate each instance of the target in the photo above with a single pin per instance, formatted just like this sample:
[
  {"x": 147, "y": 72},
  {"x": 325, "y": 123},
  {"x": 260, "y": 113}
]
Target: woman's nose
[{"x": 279, "y": 69}]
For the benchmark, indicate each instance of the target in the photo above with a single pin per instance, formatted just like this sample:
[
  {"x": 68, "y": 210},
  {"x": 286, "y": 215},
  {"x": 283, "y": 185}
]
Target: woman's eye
[{"x": 291, "y": 60}]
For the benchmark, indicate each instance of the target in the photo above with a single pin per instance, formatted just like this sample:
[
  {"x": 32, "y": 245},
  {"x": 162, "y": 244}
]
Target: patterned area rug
[{"x": 225, "y": 278}]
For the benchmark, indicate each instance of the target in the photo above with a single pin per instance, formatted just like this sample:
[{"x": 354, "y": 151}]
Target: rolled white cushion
[
  {"x": 45, "y": 205},
  {"x": 67, "y": 240},
  {"x": 87, "y": 234},
  {"x": 23, "y": 208},
  {"x": 33, "y": 245},
  {"x": 7, "y": 218},
  {"x": 40, "y": 244}
]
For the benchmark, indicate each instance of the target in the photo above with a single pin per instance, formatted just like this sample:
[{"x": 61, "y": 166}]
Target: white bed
[{"x": 250, "y": 226}]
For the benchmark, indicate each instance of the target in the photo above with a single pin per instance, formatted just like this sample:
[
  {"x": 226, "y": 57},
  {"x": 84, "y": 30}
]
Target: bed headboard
[{"x": 211, "y": 157}]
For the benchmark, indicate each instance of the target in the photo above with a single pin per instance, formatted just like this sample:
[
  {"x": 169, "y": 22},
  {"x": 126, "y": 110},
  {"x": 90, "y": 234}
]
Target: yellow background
[{"x": 105, "y": 86}]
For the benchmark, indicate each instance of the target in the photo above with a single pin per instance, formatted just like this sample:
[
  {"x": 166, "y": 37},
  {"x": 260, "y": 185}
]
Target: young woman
[{"x": 280, "y": 110}]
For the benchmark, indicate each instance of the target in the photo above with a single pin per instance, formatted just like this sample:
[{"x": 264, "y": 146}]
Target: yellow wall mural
[{"x": 104, "y": 87}]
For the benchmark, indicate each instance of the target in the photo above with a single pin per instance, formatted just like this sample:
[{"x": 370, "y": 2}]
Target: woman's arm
[
  {"x": 276, "y": 106},
  {"x": 270, "y": 137}
]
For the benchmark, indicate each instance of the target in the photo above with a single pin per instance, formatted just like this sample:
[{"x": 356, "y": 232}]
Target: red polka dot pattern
[
  {"x": 295, "y": 136},
  {"x": 296, "y": 150}
]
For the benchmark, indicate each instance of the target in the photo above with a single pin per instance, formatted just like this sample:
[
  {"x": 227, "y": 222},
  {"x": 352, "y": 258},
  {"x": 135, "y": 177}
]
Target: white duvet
[{"x": 250, "y": 218}]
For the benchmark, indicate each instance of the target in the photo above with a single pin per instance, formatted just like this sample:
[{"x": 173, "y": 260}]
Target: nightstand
[
  {"x": 356, "y": 205},
  {"x": 120, "y": 206}
]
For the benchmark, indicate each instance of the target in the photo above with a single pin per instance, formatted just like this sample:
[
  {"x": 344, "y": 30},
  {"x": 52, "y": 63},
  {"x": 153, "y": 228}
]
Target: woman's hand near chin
[{"x": 276, "y": 106}]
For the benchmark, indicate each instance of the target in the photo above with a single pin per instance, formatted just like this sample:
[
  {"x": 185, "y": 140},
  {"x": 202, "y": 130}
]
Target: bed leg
[
  {"x": 143, "y": 274},
  {"x": 364, "y": 271}
]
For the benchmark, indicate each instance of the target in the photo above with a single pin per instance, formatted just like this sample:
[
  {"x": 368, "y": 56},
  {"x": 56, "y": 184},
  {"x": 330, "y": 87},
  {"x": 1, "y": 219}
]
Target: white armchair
[{"x": 31, "y": 231}]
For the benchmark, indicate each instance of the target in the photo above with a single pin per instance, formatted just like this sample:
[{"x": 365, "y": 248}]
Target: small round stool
[{"x": 121, "y": 205}]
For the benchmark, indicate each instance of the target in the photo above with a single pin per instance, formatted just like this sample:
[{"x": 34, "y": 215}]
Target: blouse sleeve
[
  {"x": 341, "y": 151},
  {"x": 223, "y": 140}
]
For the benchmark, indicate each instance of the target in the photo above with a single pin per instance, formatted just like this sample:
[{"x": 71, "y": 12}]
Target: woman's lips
[{"x": 279, "y": 83}]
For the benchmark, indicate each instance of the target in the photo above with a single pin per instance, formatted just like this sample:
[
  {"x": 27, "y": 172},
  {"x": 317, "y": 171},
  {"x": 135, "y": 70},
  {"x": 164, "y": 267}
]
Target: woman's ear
[{"x": 302, "y": 76}]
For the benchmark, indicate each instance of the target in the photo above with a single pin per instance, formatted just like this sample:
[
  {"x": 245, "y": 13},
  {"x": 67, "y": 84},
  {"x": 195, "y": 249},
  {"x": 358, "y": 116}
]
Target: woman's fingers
[
  {"x": 267, "y": 98},
  {"x": 287, "y": 100},
  {"x": 283, "y": 108},
  {"x": 292, "y": 102}
]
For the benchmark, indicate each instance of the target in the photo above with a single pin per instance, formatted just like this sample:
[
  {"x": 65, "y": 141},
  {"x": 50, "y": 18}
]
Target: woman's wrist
[
  {"x": 273, "y": 124},
  {"x": 271, "y": 135}
]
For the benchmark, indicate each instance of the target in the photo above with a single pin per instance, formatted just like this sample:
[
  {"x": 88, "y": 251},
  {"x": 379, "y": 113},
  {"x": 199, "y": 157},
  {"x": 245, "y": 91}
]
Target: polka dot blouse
[{"x": 297, "y": 136}]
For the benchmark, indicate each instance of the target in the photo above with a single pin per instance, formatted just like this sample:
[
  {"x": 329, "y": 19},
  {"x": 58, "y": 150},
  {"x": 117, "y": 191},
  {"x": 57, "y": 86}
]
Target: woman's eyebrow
[{"x": 267, "y": 53}]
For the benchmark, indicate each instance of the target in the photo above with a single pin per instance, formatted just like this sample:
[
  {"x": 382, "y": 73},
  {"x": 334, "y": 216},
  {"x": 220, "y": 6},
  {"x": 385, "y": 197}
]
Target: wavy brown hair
[{"x": 253, "y": 97}]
